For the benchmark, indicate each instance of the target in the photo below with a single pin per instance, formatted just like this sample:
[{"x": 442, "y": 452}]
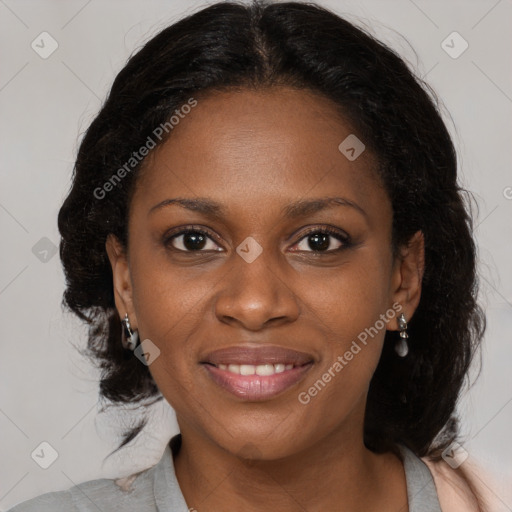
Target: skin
[{"x": 255, "y": 152}]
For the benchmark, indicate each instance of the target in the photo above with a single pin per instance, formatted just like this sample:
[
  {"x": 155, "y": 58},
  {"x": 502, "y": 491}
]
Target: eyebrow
[{"x": 298, "y": 208}]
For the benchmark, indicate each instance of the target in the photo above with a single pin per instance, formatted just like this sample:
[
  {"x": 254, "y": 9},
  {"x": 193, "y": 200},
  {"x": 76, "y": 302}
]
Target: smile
[{"x": 256, "y": 373}]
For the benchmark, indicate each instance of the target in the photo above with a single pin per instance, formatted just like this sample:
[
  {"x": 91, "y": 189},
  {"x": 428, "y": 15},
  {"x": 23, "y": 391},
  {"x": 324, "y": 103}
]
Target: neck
[{"x": 336, "y": 473}]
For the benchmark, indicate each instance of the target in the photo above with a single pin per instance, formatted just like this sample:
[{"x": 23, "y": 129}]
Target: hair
[{"x": 235, "y": 46}]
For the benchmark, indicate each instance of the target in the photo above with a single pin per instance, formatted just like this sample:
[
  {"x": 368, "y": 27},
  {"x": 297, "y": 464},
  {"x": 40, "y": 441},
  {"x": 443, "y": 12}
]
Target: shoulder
[
  {"x": 455, "y": 487},
  {"x": 49, "y": 502},
  {"x": 94, "y": 495}
]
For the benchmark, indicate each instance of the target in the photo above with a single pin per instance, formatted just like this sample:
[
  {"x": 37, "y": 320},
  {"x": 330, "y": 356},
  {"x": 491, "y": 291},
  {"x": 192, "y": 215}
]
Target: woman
[{"x": 265, "y": 228}]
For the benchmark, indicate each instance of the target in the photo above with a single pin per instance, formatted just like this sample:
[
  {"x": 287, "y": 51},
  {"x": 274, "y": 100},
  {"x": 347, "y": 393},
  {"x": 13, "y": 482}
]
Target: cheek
[
  {"x": 355, "y": 333},
  {"x": 350, "y": 309},
  {"x": 168, "y": 311},
  {"x": 165, "y": 297},
  {"x": 347, "y": 299},
  {"x": 170, "y": 304}
]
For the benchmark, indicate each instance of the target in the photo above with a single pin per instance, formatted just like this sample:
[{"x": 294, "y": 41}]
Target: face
[{"x": 277, "y": 259}]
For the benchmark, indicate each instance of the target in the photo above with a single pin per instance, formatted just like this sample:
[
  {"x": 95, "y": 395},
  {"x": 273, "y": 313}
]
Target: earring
[
  {"x": 129, "y": 338},
  {"x": 401, "y": 347}
]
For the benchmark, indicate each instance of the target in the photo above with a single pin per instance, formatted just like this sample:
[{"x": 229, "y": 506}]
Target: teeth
[
  {"x": 279, "y": 368},
  {"x": 247, "y": 369},
  {"x": 260, "y": 369},
  {"x": 265, "y": 369}
]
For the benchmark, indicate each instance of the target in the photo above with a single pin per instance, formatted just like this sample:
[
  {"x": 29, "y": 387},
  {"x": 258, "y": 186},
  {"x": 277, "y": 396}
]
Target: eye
[
  {"x": 191, "y": 240},
  {"x": 324, "y": 240}
]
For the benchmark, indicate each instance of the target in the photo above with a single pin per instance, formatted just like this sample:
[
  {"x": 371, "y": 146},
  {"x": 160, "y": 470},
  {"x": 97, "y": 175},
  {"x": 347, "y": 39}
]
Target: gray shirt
[{"x": 157, "y": 490}]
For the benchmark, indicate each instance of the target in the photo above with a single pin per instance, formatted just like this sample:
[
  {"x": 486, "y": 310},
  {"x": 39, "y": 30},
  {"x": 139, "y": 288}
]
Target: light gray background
[{"x": 48, "y": 392}]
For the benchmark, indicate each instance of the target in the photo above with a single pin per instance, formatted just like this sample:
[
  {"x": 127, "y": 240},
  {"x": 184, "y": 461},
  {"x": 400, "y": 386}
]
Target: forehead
[{"x": 253, "y": 147}]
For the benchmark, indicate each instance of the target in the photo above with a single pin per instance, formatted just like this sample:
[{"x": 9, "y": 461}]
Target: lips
[{"x": 257, "y": 374}]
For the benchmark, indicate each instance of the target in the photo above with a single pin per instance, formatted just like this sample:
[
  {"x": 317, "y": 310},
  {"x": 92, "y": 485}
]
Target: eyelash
[{"x": 344, "y": 239}]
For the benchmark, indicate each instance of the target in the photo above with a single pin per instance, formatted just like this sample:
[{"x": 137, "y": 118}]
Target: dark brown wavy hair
[{"x": 231, "y": 45}]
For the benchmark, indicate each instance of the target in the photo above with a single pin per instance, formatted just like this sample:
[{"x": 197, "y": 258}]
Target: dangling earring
[
  {"x": 129, "y": 338},
  {"x": 401, "y": 347}
]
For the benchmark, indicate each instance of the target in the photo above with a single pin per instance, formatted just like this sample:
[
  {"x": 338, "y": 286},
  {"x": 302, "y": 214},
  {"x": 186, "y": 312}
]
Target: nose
[{"x": 255, "y": 295}]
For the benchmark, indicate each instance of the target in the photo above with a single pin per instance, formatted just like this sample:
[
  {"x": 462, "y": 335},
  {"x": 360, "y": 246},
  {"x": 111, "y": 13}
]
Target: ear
[
  {"x": 121, "y": 279},
  {"x": 408, "y": 270}
]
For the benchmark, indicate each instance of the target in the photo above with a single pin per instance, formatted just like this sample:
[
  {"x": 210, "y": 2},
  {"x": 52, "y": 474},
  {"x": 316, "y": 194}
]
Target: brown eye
[
  {"x": 323, "y": 240},
  {"x": 192, "y": 240}
]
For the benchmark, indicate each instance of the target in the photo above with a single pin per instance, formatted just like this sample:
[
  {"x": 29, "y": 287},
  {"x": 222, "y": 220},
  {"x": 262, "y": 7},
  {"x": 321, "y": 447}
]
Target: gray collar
[
  {"x": 421, "y": 490},
  {"x": 168, "y": 495}
]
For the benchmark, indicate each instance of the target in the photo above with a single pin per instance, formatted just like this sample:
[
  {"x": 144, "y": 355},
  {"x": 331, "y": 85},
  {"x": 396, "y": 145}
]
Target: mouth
[{"x": 257, "y": 374}]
